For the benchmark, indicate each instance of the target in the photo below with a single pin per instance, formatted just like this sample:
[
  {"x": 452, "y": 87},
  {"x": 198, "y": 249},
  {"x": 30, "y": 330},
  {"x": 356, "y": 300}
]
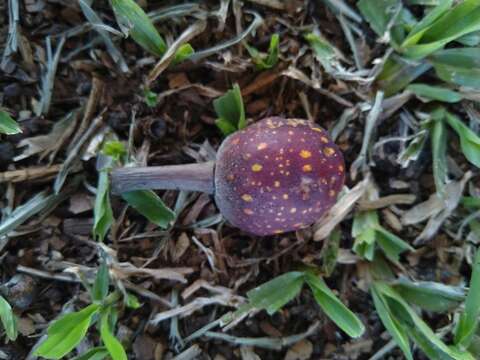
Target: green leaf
[
  {"x": 66, "y": 333},
  {"x": 334, "y": 308},
  {"x": 469, "y": 141},
  {"x": 458, "y": 66},
  {"x": 114, "y": 347},
  {"x": 391, "y": 244},
  {"x": 183, "y": 53},
  {"x": 151, "y": 98},
  {"x": 101, "y": 284},
  {"x": 438, "y": 93},
  {"x": 103, "y": 214},
  {"x": 96, "y": 353},
  {"x": 275, "y": 293},
  {"x": 8, "y": 125},
  {"x": 462, "y": 19},
  {"x": 150, "y": 205},
  {"x": 468, "y": 323},
  {"x": 398, "y": 333},
  {"x": 8, "y": 319},
  {"x": 114, "y": 149},
  {"x": 268, "y": 61},
  {"x": 439, "y": 153},
  {"x": 132, "y": 19},
  {"x": 364, "y": 233},
  {"x": 132, "y": 302},
  {"x": 431, "y": 296},
  {"x": 230, "y": 111}
]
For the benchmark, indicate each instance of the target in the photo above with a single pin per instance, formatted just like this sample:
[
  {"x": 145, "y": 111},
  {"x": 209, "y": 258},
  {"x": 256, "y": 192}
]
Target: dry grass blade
[
  {"x": 199, "y": 55},
  {"x": 76, "y": 152},
  {"x": 361, "y": 162},
  {"x": 265, "y": 342},
  {"x": 192, "y": 353},
  {"x": 436, "y": 209},
  {"x": 193, "y": 30},
  {"x": 50, "y": 143},
  {"x": 397, "y": 199},
  {"x": 125, "y": 270},
  {"x": 48, "y": 78},
  {"x": 99, "y": 27},
  {"x": 195, "y": 305},
  {"x": 13, "y": 34},
  {"x": 274, "y": 4},
  {"x": 340, "y": 210},
  {"x": 32, "y": 173}
]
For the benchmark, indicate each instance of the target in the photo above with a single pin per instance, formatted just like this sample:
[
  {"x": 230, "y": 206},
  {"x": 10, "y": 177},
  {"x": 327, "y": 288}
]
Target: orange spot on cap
[
  {"x": 307, "y": 168},
  {"x": 262, "y": 146},
  {"x": 248, "y": 211},
  {"x": 257, "y": 167},
  {"x": 247, "y": 198},
  {"x": 276, "y": 184},
  {"x": 328, "y": 151},
  {"x": 293, "y": 210},
  {"x": 305, "y": 154},
  {"x": 285, "y": 196}
]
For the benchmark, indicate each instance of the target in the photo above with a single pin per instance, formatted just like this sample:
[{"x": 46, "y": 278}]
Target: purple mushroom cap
[{"x": 277, "y": 175}]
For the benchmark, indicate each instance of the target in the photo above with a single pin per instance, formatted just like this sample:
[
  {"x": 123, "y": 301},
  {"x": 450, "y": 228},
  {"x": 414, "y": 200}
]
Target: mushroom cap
[{"x": 277, "y": 175}]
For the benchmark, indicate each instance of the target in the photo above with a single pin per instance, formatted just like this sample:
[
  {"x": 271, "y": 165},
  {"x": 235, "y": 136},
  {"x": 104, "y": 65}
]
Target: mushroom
[{"x": 275, "y": 176}]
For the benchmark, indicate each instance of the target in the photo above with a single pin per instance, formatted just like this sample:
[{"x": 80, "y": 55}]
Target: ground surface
[{"x": 96, "y": 97}]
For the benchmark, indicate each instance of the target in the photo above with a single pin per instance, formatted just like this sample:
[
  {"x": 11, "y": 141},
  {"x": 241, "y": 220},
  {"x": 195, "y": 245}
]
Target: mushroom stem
[{"x": 193, "y": 177}]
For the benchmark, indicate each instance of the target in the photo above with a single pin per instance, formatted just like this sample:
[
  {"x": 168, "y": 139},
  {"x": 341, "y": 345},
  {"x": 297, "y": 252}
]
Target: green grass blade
[
  {"x": 363, "y": 231},
  {"x": 468, "y": 323},
  {"x": 391, "y": 244},
  {"x": 66, "y": 333},
  {"x": 114, "y": 347},
  {"x": 460, "y": 66},
  {"x": 150, "y": 205},
  {"x": 101, "y": 284},
  {"x": 438, "y": 93},
  {"x": 397, "y": 74},
  {"x": 103, "y": 214},
  {"x": 8, "y": 319},
  {"x": 469, "y": 141},
  {"x": 342, "y": 316},
  {"x": 398, "y": 333},
  {"x": 420, "y": 332},
  {"x": 275, "y": 293},
  {"x": 8, "y": 126},
  {"x": 96, "y": 353},
  {"x": 377, "y": 13},
  {"x": 439, "y": 153},
  {"x": 462, "y": 19},
  {"x": 423, "y": 25},
  {"x": 431, "y": 296},
  {"x": 261, "y": 61},
  {"x": 132, "y": 18}
]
